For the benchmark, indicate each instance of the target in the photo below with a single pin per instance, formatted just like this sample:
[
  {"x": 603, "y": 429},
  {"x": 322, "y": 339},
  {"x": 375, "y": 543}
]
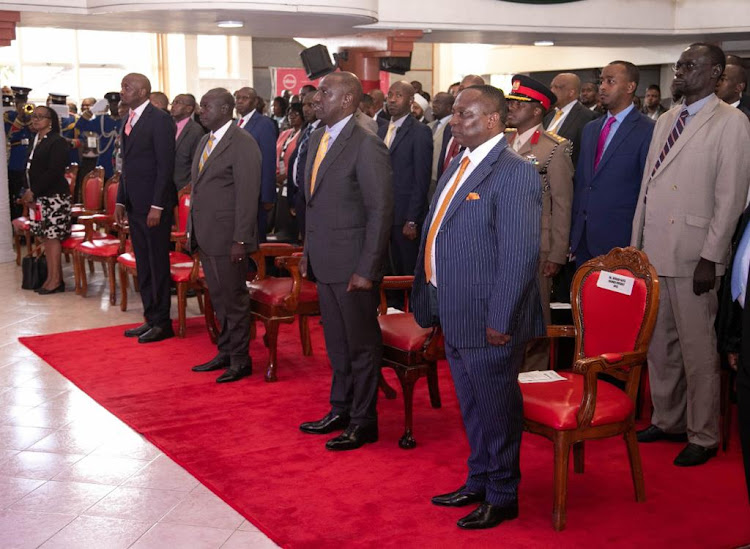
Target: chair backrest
[
  {"x": 610, "y": 321},
  {"x": 183, "y": 209},
  {"x": 71, "y": 173},
  {"x": 93, "y": 185},
  {"x": 110, "y": 194}
]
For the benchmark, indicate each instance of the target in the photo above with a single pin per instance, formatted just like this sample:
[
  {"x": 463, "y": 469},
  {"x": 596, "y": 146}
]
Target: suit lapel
[
  {"x": 401, "y": 132},
  {"x": 703, "y": 116},
  {"x": 622, "y": 133},
  {"x": 333, "y": 151},
  {"x": 182, "y": 134},
  {"x": 145, "y": 115},
  {"x": 569, "y": 120},
  {"x": 218, "y": 149}
]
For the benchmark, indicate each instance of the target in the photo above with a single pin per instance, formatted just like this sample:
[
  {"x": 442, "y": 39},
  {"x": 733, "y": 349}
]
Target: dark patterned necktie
[
  {"x": 304, "y": 142},
  {"x": 673, "y": 135}
]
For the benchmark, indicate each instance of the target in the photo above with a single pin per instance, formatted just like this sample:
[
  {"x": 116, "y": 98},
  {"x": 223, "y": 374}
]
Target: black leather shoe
[
  {"x": 459, "y": 498},
  {"x": 157, "y": 333},
  {"x": 219, "y": 362},
  {"x": 694, "y": 454},
  {"x": 44, "y": 291},
  {"x": 354, "y": 437},
  {"x": 652, "y": 433},
  {"x": 139, "y": 331},
  {"x": 488, "y": 516},
  {"x": 235, "y": 373},
  {"x": 330, "y": 423}
]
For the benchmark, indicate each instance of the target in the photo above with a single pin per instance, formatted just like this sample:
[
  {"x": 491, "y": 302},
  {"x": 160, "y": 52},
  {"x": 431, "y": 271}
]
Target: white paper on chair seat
[
  {"x": 616, "y": 283},
  {"x": 543, "y": 376}
]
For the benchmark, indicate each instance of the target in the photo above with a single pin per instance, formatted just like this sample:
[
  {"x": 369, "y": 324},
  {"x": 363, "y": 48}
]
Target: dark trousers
[
  {"x": 486, "y": 381},
  {"x": 16, "y": 182},
  {"x": 354, "y": 346},
  {"x": 299, "y": 206},
  {"x": 403, "y": 252},
  {"x": 151, "y": 248},
  {"x": 231, "y": 301},
  {"x": 262, "y": 223}
]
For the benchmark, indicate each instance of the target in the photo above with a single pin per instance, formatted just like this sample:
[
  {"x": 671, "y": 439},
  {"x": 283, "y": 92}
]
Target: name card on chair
[{"x": 616, "y": 282}]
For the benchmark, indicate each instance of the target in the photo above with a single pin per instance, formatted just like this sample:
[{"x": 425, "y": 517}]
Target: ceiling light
[
  {"x": 230, "y": 24},
  {"x": 544, "y": 43}
]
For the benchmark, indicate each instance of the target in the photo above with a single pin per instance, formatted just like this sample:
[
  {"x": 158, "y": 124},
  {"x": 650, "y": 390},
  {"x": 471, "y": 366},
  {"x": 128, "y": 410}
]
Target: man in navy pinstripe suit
[{"x": 476, "y": 277}]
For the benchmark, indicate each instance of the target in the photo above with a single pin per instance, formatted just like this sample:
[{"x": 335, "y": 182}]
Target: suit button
[{"x": 674, "y": 187}]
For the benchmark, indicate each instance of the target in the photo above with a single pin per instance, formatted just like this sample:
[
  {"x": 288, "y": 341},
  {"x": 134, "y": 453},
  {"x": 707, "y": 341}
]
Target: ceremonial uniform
[{"x": 19, "y": 136}]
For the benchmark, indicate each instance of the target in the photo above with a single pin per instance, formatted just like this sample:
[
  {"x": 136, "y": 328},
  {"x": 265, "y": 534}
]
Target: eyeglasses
[
  {"x": 690, "y": 66},
  {"x": 39, "y": 117}
]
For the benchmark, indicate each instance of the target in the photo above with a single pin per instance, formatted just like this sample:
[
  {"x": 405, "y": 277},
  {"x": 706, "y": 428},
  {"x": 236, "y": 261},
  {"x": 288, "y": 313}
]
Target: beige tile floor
[{"x": 71, "y": 474}]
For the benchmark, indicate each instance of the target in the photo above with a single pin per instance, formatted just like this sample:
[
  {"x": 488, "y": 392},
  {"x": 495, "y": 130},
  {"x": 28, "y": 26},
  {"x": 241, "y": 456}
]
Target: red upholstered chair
[
  {"x": 411, "y": 351},
  {"x": 274, "y": 300},
  {"x": 181, "y": 214},
  {"x": 71, "y": 173},
  {"x": 612, "y": 332},
  {"x": 187, "y": 274},
  {"x": 92, "y": 195},
  {"x": 104, "y": 249},
  {"x": 22, "y": 228}
]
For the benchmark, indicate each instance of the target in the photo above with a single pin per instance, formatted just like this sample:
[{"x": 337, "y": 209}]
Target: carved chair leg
[
  {"x": 636, "y": 470},
  {"x": 123, "y": 287},
  {"x": 432, "y": 385},
  {"x": 562, "y": 452},
  {"x": 578, "y": 457},
  {"x": 76, "y": 275},
  {"x": 408, "y": 378},
  {"x": 181, "y": 307},
  {"x": 304, "y": 335},
  {"x": 199, "y": 298},
  {"x": 388, "y": 391},
  {"x": 112, "y": 281},
  {"x": 91, "y": 267},
  {"x": 136, "y": 285},
  {"x": 82, "y": 274},
  {"x": 253, "y": 328},
  {"x": 272, "y": 336}
]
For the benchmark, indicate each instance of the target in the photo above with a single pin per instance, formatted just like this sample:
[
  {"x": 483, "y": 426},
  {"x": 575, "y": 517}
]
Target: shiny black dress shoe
[
  {"x": 138, "y": 331},
  {"x": 652, "y": 433},
  {"x": 59, "y": 289},
  {"x": 694, "y": 454},
  {"x": 459, "y": 498},
  {"x": 330, "y": 423},
  {"x": 219, "y": 362},
  {"x": 354, "y": 437},
  {"x": 235, "y": 373},
  {"x": 157, "y": 333},
  {"x": 488, "y": 516}
]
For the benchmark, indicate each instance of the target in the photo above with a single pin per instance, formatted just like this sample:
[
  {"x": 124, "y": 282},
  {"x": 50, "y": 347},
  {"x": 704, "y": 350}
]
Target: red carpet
[{"x": 242, "y": 441}]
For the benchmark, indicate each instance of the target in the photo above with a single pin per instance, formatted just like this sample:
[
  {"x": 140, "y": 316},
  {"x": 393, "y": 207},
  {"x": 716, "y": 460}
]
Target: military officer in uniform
[
  {"x": 19, "y": 135},
  {"x": 67, "y": 123},
  {"x": 528, "y": 102}
]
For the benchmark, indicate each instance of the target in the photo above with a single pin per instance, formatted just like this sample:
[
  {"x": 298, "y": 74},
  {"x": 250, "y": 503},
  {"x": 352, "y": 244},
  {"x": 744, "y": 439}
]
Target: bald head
[
  {"x": 337, "y": 97},
  {"x": 159, "y": 100},
  {"x": 400, "y": 97},
  {"x": 471, "y": 80},
  {"x": 134, "y": 89},
  {"x": 216, "y": 110},
  {"x": 732, "y": 83},
  {"x": 246, "y": 99},
  {"x": 567, "y": 87}
]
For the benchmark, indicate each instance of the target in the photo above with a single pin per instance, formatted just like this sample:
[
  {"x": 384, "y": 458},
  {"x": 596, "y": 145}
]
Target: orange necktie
[
  {"x": 438, "y": 219},
  {"x": 322, "y": 150}
]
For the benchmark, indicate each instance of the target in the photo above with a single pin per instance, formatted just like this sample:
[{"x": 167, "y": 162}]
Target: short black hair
[
  {"x": 367, "y": 100},
  {"x": 592, "y": 83},
  {"x": 296, "y": 107},
  {"x": 495, "y": 98},
  {"x": 281, "y": 101},
  {"x": 715, "y": 54},
  {"x": 634, "y": 75},
  {"x": 654, "y": 87}
]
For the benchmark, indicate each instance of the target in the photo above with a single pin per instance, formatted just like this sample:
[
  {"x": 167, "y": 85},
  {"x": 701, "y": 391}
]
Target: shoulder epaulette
[
  {"x": 555, "y": 137},
  {"x": 510, "y": 130}
]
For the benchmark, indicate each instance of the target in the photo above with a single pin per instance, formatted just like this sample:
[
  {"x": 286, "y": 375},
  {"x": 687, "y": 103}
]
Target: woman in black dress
[{"x": 48, "y": 196}]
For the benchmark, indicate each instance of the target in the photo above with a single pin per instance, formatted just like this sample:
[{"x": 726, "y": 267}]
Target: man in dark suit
[
  {"x": 476, "y": 277},
  {"x": 147, "y": 193},
  {"x": 732, "y": 85},
  {"x": 223, "y": 226},
  {"x": 189, "y": 133},
  {"x": 610, "y": 168},
  {"x": 410, "y": 145},
  {"x": 264, "y": 131},
  {"x": 652, "y": 106},
  {"x": 296, "y": 178},
  {"x": 568, "y": 117},
  {"x": 349, "y": 217}
]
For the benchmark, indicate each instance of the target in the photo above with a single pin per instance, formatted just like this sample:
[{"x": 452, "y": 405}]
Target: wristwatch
[
  {"x": 411, "y": 223},
  {"x": 238, "y": 242}
]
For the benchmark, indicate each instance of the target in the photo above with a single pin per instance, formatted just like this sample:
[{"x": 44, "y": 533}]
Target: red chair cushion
[
  {"x": 73, "y": 240},
  {"x": 180, "y": 271},
  {"x": 128, "y": 259},
  {"x": 76, "y": 227},
  {"x": 21, "y": 224},
  {"x": 612, "y": 320},
  {"x": 101, "y": 247},
  {"x": 273, "y": 290},
  {"x": 556, "y": 404},
  {"x": 401, "y": 331}
]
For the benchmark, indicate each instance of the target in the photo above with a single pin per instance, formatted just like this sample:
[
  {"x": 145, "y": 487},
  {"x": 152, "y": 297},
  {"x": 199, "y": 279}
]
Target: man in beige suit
[
  {"x": 223, "y": 226},
  {"x": 694, "y": 189},
  {"x": 550, "y": 154}
]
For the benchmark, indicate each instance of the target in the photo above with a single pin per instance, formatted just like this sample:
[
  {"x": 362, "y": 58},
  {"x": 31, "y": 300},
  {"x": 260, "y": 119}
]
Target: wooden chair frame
[
  {"x": 26, "y": 234},
  {"x": 96, "y": 172},
  {"x": 409, "y": 366},
  {"x": 625, "y": 366}
]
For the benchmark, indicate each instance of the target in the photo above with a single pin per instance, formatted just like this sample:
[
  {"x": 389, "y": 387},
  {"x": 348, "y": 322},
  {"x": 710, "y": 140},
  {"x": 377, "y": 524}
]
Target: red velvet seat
[
  {"x": 187, "y": 274},
  {"x": 103, "y": 247},
  {"x": 411, "y": 351},
  {"x": 612, "y": 330},
  {"x": 273, "y": 290}
]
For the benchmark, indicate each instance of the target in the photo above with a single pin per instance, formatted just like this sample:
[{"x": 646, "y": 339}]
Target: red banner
[{"x": 292, "y": 79}]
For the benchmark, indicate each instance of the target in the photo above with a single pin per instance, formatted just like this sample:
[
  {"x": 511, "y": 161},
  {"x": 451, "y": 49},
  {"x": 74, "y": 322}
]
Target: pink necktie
[
  {"x": 129, "y": 123},
  {"x": 602, "y": 140}
]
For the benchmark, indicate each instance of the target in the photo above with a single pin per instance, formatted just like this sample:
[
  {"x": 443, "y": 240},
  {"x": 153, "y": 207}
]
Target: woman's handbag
[{"x": 34, "y": 268}]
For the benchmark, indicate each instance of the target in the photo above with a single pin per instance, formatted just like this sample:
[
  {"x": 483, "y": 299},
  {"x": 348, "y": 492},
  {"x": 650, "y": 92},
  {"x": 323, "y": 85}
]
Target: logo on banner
[{"x": 289, "y": 81}]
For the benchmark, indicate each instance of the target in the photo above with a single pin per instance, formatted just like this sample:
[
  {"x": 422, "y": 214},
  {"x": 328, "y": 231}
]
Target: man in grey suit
[
  {"x": 223, "y": 226},
  {"x": 189, "y": 133},
  {"x": 693, "y": 191},
  {"x": 349, "y": 216}
]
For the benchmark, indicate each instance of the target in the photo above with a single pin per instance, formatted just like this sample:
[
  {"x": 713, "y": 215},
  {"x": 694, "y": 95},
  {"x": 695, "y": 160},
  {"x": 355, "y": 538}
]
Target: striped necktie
[
  {"x": 302, "y": 146},
  {"x": 438, "y": 219},
  {"x": 673, "y": 135},
  {"x": 206, "y": 152},
  {"x": 319, "y": 156}
]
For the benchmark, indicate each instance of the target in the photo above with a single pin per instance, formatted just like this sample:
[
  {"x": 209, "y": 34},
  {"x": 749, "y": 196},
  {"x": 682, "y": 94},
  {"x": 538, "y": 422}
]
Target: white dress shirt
[
  {"x": 243, "y": 119},
  {"x": 565, "y": 112}
]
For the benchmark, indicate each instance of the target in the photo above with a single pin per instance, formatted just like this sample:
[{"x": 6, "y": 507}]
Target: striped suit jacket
[{"x": 486, "y": 254}]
